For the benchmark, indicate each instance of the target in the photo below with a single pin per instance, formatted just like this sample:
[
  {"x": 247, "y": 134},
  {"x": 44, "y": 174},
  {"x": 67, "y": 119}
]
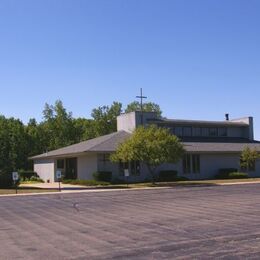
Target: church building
[{"x": 209, "y": 146}]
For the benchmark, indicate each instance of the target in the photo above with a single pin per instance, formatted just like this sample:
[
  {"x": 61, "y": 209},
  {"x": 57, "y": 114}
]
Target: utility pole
[{"x": 141, "y": 97}]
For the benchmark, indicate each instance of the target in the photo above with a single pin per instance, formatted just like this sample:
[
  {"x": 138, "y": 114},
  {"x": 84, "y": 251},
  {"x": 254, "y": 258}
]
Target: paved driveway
[{"x": 178, "y": 223}]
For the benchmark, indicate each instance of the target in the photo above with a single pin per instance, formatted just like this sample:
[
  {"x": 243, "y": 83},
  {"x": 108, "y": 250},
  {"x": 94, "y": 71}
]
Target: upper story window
[
  {"x": 196, "y": 131},
  {"x": 213, "y": 131},
  {"x": 105, "y": 157},
  {"x": 178, "y": 131},
  {"x": 187, "y": 131},
  {"x": 204, "y": 131},
  {"x": 222, "y": 131}
]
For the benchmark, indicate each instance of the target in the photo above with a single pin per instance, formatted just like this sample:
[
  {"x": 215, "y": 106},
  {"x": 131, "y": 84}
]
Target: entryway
[{"x": 71, "y": 168}]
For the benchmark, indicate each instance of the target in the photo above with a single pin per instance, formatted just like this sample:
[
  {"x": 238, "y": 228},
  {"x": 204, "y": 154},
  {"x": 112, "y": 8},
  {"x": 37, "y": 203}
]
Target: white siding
[
  {"x": 87, "y": 165},
  {"x": 45, "y": 168}
]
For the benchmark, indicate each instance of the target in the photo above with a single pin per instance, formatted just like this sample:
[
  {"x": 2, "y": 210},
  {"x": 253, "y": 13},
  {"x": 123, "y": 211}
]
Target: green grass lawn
[
  {"x": 194, "y": 182},
  {"x": 23, "y": 190},
  {"x": 164, "y": 184}
]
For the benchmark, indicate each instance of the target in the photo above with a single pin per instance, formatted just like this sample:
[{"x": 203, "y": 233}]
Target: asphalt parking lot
[{"x": 221, "y": 222}]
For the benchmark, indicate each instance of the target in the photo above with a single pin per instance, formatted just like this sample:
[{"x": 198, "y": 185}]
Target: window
[
  {"x": 60, "y": 164},
  {"x": 186, "y": 164},
  {"x": 178, "y": 131},
  {"x": 122, "y": 167},
  {"x": 213, "y": 131},
  {"x": 196, "y": 131},
  {"x": 191, "y": 163},
  {"x": 196, "y": 163},
  {"x": 135, "y": 168},
  {"x": 172, "y": 130},
  {"x": 204, "y": 131},
  {"x": 105, "y": 157},
  {"x": 187, "y": 131},
  {"x": 222, "y": 131}
]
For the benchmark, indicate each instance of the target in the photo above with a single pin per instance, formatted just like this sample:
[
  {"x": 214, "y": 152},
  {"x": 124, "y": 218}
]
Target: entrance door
[{"x": 71, "y": 169}]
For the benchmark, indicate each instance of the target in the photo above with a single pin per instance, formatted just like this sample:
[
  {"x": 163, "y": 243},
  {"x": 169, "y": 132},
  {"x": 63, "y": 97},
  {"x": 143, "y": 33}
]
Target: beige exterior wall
[
  {"x": 128, "y": 122},
  {"x": 87, "y": 165},
  {"x": 45, "y": 168}
]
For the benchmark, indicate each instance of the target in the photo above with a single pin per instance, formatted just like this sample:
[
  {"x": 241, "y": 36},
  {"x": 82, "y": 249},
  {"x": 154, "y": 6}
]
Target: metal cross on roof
[{"x": 141, "y": 97}]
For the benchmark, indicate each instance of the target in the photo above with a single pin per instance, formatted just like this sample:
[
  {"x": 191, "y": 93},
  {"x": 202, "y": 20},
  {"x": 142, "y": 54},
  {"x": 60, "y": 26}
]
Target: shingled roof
[
  {"x": 109, "y": 143},
  {"x": 105, "y": 143},
  {"x": 204, "y": 147}
]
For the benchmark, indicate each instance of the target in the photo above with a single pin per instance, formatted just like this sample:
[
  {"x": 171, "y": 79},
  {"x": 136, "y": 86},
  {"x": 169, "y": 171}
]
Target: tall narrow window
[
  {"x": 186, "y": 163},
  {"x": 135, "y": 168},
  {"x": 122, "y": 167},
  {"x": 191, "y": 163},
  {"x": 195, "y": 163},
  {"x": 60, "y": 164}
]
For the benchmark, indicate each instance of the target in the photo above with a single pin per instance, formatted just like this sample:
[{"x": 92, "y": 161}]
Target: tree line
[{"x": 19, "y": 141}]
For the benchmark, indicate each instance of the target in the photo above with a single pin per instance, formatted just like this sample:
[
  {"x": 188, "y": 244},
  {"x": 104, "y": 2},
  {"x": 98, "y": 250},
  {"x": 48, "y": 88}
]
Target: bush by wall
[
  {"x": 238, "y": 175},
  {"x": 224, "y": 173},
  {"x": 103, "y": 176},
  {"x": 27, "y": 175},
  {"x": 232, "y": 175}
]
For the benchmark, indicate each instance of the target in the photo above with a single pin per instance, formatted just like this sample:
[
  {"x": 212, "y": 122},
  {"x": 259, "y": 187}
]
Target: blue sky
[{"x": 197, "y": 59}]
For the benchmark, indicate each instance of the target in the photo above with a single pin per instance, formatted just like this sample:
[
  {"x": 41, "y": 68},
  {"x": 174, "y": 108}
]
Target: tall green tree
[
  {"x": 83, "y": 129},
  {"x": 105, "y": 118},
  {"x": 58, "y": 126},
  {"x": 13, "y": 144},
  {"x": 152, "y": 146},
  {"x": 147, "y": 107},
  {"x": 248, "y": 158}
]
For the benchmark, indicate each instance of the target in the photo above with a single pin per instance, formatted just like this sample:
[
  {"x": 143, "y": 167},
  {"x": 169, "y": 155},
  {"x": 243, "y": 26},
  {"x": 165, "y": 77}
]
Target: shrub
[
  {"x": 6, "y": 180},
  {"x": 27, "y": 175},
  {"x": 224, "y": 173},
  {"x": 167, "y": 175},
  {"x": 85, "y": 182},
  {"x": 102, "y": 176},
  {"x": 36, "y": 179},
  {"x": 238, "y": 175}
]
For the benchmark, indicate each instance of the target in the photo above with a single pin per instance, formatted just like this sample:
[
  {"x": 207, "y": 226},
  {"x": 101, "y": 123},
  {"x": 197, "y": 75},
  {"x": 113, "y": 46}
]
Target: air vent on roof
[{"x": 227, "y": 117}]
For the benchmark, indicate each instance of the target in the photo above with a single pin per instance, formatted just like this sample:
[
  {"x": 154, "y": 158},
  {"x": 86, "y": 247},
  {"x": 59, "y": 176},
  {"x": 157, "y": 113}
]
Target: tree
[
  {"x": 147, "y": 107},
  {"x": 248, "y": 158},
  {"x": 13, "y": 145},
  {"x": 105, "y": 118},
  {"x": 58, "y": 126},
  {"x": 84, "y": 129},
  {"x": 152, "y": 146}
]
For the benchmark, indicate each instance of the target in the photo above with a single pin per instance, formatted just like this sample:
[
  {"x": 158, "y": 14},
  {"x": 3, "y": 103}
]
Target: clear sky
[{"x": 197, "y": 59}]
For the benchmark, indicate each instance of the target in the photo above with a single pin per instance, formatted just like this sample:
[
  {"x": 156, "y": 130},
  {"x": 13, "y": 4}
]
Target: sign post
[
  {"x": 15, "y": 177},
  {"x": 126, "y": 171},
  {"x": 58, "y": 176}
]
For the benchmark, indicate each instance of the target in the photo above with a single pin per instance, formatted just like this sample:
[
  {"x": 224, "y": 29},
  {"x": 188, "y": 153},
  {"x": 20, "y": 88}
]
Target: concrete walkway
[{"x": 53, "y": 186}]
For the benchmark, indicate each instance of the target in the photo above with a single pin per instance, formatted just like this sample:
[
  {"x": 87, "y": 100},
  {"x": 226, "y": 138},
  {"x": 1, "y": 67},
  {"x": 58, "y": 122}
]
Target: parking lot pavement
[{"x": 220, "y": 222}]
